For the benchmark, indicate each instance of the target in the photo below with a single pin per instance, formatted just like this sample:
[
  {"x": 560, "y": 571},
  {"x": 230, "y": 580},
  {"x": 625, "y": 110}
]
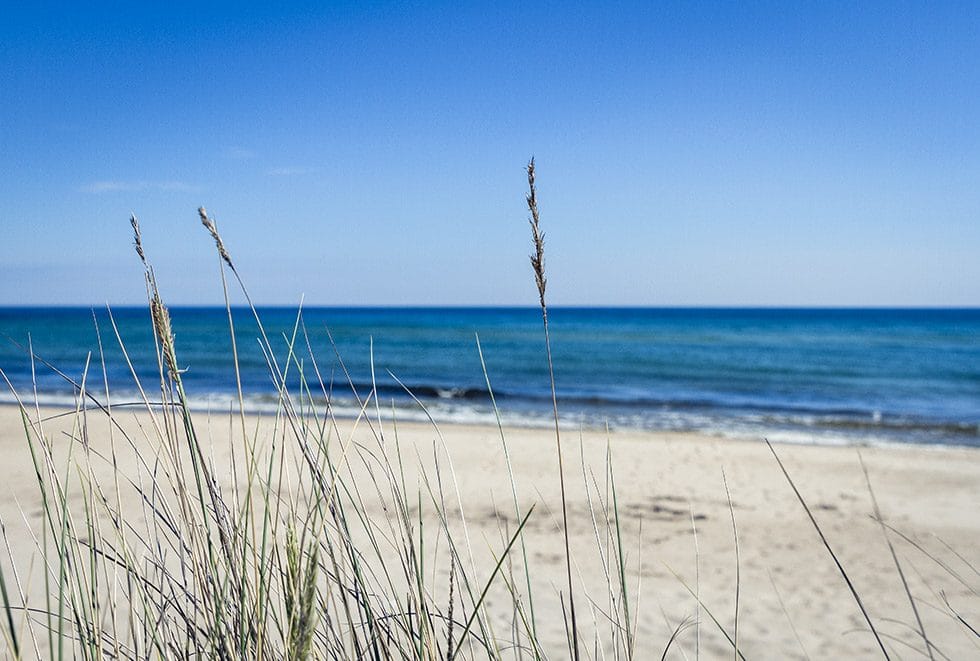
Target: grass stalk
[
  {"x": 830, "y": 550},
  {"x": 540, "y": 279}
]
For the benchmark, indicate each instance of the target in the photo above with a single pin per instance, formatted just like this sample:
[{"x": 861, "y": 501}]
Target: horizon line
[{"x": 490, "y": 306}]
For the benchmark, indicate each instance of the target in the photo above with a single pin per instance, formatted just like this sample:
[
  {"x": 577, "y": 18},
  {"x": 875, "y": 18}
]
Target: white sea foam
[{"x": 451, "y": 411}]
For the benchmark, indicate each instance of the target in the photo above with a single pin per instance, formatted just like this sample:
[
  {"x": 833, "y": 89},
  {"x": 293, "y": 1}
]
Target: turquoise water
[{"x": 830, "y": 376}]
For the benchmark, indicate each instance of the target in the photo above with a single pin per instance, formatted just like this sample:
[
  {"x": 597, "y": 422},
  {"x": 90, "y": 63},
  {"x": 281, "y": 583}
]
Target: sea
[{"x": 826, "y": 376}]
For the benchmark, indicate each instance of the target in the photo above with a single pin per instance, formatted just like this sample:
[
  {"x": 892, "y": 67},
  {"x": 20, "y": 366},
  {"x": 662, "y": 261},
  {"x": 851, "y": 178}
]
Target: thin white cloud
[
  {"x": 290, "y": 171},
  {"x": 114, "y": 186},
  {"x": 238, "y": 153}
]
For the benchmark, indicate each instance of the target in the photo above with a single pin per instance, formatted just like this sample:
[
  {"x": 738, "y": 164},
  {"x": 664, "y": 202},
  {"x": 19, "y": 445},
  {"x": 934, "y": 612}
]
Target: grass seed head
[
  {"x": 164, "y": 331},
  {"x": 213, "y": 230},
  {"x": 137, "y": 238},
  {"x": 537, "y": 259}
]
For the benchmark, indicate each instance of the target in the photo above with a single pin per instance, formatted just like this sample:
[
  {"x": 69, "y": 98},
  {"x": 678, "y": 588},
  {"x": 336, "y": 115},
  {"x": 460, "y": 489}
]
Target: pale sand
[{"x": 929, "y": 494}]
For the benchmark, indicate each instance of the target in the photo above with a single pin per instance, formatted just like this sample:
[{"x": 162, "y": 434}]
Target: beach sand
[{"x": 931, "y": 495}]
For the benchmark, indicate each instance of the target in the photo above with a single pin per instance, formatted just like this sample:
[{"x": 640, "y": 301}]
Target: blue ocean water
[{"x": 805, "y": 375}]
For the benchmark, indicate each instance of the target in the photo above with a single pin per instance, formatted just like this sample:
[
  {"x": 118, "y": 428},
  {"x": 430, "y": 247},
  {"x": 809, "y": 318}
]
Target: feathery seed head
[
  {"x": 164, "y": 331},
  {"x": 137, "y": 238},
  {"x": 537, "y": 259},
  {"x": 213, "y": 230}
]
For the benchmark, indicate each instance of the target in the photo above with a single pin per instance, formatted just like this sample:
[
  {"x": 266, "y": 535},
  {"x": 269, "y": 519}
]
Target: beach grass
[{"x": 330, "y": 539}]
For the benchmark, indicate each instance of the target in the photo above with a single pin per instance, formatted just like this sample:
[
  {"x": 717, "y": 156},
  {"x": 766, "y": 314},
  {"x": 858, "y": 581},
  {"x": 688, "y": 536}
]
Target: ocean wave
[
  {"x": 878, "y": 422},
  {"x": 610, "y": 397},
  {"x": 471, "y": 406}
]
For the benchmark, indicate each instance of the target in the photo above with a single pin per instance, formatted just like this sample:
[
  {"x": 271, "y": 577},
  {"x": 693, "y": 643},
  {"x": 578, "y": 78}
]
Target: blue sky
[{"x": 688, "y": 154}]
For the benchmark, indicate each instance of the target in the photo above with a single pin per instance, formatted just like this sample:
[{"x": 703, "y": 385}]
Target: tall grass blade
[
  {"x": 823, "y": 539},
  {"x": 540, "y": 279}
]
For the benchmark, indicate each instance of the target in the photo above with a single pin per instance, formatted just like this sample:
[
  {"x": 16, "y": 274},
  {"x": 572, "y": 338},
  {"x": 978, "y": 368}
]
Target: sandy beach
[
  {"x": 425, "y": 331},
  {"x": 929, "y": 495}
]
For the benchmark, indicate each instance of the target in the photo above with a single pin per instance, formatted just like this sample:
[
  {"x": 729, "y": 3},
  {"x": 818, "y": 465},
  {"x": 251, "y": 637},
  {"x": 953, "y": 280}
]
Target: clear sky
[{"x": 729, "y": 153}]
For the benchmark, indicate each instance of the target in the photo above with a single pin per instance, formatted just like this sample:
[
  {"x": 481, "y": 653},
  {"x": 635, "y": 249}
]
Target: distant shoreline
[
  {"x": 538, "y": 426},
  {"x": 530, "y": 308}
]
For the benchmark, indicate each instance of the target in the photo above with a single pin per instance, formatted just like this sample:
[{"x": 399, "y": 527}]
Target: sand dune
[{"x": 662, "y": 479}]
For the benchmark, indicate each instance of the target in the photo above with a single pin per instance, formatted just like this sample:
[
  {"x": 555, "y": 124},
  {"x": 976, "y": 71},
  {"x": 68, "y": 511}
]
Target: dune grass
[{"x": 311, "y": 543}]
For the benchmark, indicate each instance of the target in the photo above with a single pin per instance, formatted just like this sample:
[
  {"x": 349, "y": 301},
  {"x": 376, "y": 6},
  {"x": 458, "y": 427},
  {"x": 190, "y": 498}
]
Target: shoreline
[{"x": 568, "y": 424}]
